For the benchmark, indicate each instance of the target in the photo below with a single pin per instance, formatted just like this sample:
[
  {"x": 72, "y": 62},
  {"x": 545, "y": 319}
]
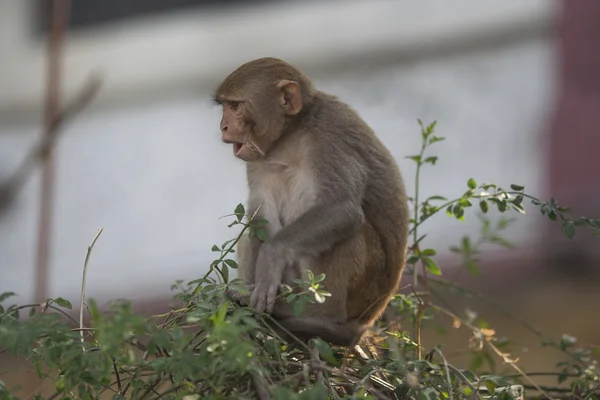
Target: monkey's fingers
[
  {"x": 271, "y": 295},
  {"x": 260, "y": 300}
]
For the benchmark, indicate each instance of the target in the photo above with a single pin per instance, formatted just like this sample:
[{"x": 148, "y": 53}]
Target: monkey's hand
[
  {"x": 271, "y": 263},
  {"x": 239, "y": 298}
]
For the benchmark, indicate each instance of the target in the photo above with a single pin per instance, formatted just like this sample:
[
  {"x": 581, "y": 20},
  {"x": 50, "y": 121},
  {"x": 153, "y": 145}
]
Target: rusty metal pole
[{"x": 58, "y": 15}]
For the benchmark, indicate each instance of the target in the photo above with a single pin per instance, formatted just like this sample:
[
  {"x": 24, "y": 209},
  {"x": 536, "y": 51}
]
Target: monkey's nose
[{"x": 223, "y": 128}]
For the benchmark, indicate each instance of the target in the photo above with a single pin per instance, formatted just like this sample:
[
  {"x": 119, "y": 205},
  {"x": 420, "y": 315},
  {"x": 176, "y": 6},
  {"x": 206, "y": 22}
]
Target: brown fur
[{"x": 331, "y": 191}]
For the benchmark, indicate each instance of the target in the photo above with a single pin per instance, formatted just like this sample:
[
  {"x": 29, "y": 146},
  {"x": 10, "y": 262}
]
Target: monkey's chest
[{"x": 283, "y": 196}]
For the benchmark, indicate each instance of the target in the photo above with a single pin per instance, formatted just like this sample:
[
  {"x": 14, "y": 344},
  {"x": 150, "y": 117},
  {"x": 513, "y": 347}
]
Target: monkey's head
[{"x": 260, "y": 100}]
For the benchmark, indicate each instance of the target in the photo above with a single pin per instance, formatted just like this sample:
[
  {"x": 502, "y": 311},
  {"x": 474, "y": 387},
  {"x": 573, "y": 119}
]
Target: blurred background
[{"x": 514, "y": 86}]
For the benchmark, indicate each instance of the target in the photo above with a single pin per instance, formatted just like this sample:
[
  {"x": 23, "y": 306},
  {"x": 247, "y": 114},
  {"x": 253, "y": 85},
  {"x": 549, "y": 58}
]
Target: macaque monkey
[{"x": 331, "y": 192}]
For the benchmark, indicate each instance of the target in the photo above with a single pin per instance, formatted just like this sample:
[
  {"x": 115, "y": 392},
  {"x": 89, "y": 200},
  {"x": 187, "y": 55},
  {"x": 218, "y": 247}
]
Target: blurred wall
[{"x": 145, "y": 161}]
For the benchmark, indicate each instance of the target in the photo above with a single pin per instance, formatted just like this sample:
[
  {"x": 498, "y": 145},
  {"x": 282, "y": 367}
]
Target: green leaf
[
  {"x": 298, "y": 306},
  {"x": 567, "y": 341},
  {"x": 317, "y": 392},
  {"x": 38, "y": 368},
  {"x": 568, "y": 229},
  {"x": 431, "y": 127},
  {"x": 502, "y": 242},
  {"x": 471, "y": 183},
  {"x": 291, "y": 297},
  {"x": 473, "y": 268},
  {"x": 501, "y": 205},
  {"x": 413, "y": 259},
  {"x": 231, "y": 263},
  {"x": 432, "y": 266},
  {"x": 225, "y": 272},
  {"x": 458, "y": 211},
  {"x": 484, "y": 206},
  {"x": 519, "y": 208},
  {"x": 449, "y": 211},
  {"x": 428, "y": 252},
  {"x": 564, "y": 374},
  {"x": 325, "y": 351},
  {"x": 63, "y": 303},
  {"x": 466, "y": 244},
  {"x": 240, "y": 211},
  {"x": 402, "y": 390},
  {"x": 476, "y": 362},
  {"x": 517, "y": 187},
  {"x": 261, "y": 234},
  {"x": 416, "y": 158},
  {"x": 259, "y": 222},
  {"x": 490, "y": 386},
  {"x": 6, "y": 295},
  {"x": 434, "y": 139},
  {"x": 518, "y": 200},
  {"x": 319, "y": 298},
  {"x": 431, "y": 160},
  {"x": 464, "y": 203},
  {"x": 215, "y": 248}
]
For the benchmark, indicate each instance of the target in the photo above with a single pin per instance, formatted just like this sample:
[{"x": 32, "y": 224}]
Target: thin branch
[
  {"x": 495, "y": 349},
  {"x": 85, "y": 266}
]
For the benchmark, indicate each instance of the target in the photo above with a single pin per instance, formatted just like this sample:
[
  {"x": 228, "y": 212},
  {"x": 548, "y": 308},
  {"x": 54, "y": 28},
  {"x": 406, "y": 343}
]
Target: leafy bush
[{"x": 207, "y": 347}]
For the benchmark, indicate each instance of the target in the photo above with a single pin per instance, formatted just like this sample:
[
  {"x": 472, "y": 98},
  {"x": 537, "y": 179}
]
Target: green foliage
[{"x": 208, "y": 347}]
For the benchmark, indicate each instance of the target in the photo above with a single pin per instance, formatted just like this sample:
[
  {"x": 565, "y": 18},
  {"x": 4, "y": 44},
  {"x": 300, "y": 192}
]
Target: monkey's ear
[{"x": 290, "y": 96}]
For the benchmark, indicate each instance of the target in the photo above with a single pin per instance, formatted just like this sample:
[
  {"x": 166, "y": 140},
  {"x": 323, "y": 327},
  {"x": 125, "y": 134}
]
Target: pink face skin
[{"x": 233, "y": 130}]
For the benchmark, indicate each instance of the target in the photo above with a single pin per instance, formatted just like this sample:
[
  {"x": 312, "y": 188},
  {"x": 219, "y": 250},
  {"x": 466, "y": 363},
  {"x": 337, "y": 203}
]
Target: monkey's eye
[{"x": 234, "y": 105}]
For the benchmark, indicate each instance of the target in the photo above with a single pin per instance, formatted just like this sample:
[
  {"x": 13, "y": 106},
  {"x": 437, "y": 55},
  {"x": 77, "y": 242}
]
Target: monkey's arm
[
  {"x": 336, "y": 216},
  {"x": 320, "y": 228}
]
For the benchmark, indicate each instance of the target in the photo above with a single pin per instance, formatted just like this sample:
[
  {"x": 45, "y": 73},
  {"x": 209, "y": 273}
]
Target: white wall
[{"x": 155, "y": 175}]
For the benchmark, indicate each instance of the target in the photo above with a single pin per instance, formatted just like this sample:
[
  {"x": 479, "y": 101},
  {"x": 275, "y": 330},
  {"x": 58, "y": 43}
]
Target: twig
[
  {"x": 496, "y": 350},
  {"x": 163, "y": 394},
  {"x": 419, "y": 310},
  {"x": 231, "y": 246},
  {"x": 259, "y": 386},
  {"x": 551, "y": 389},
  {"x": 425, "y": 279},
  {"x": 342, "y": 375},
  {"x": 474, "y": 390},
  {"x": 117, "y": 374},
  {"x": 448, "y": 380},
  {"x": 503, "y": 310},
  {"x": 85, "y": 265}
]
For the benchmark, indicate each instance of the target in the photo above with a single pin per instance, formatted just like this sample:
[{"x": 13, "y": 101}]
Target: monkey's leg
[{"x": 305, "y": 328}]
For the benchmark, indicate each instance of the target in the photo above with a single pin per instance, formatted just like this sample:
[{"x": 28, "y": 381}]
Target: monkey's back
[{"x": 384, "y": 203}]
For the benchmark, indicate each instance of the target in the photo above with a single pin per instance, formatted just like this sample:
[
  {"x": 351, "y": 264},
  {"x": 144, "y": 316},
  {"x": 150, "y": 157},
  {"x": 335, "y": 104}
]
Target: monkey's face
[
  {"x": 258, "y": 104},
  {"x": 237, "y": 129}
]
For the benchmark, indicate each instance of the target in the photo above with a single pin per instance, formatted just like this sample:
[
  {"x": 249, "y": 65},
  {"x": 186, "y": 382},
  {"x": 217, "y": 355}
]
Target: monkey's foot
[{"x": 240, "y": 299}]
